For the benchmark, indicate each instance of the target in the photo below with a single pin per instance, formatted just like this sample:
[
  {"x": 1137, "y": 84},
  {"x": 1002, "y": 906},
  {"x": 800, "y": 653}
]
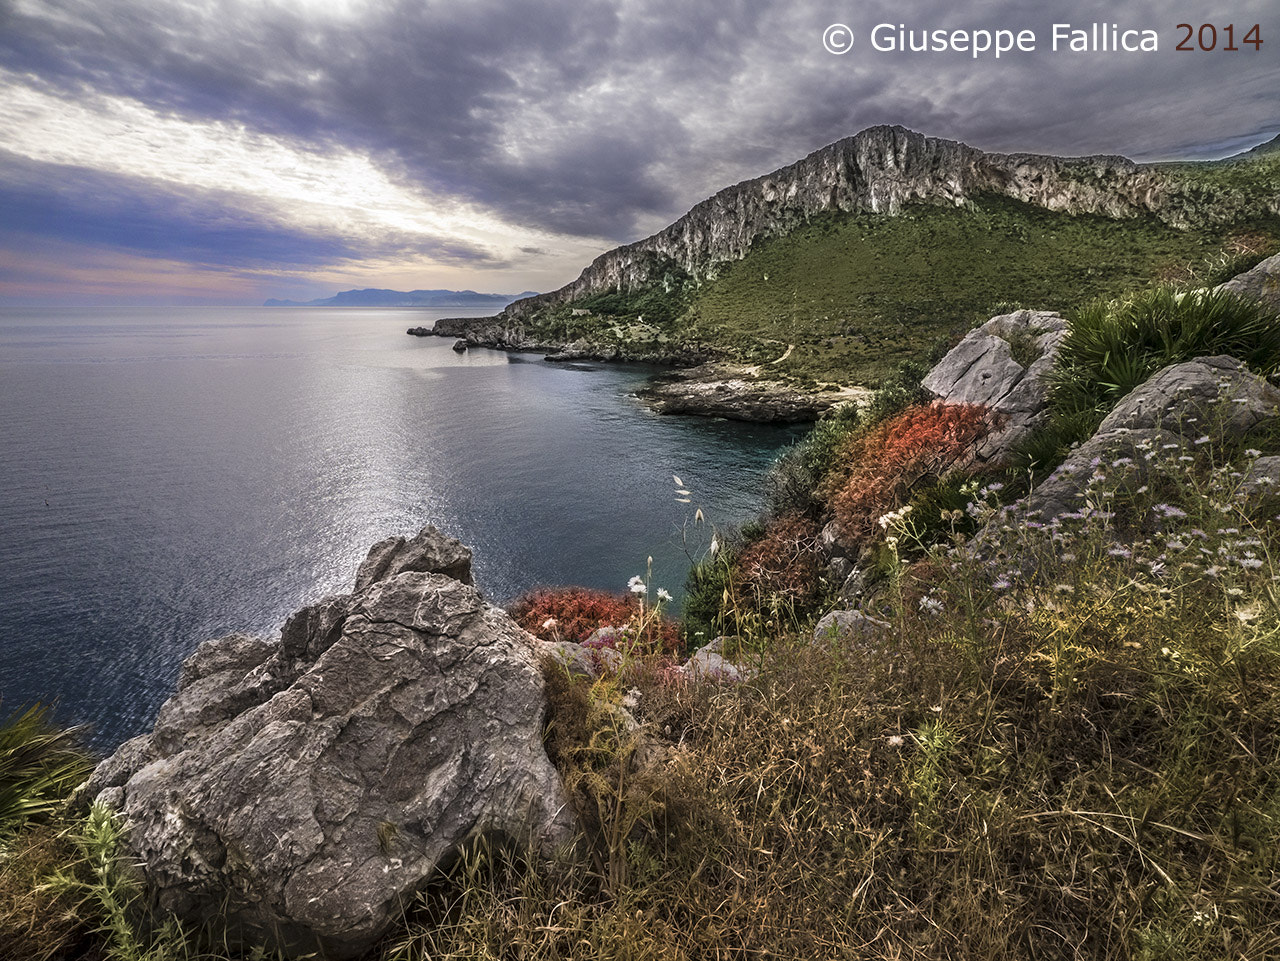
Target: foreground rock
[
  {"x": 1261, "y": 283},
  {"x": 1003, "y": 365},
  {"x": 303, "y": 790},
  {"x": 1208, "y": 396},
  {"x": 740, "y": 393}
]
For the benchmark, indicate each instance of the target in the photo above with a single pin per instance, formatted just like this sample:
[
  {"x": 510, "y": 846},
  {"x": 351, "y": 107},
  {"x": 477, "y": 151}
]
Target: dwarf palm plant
[
  {"x": 1113, "y": 346},
  {"x": 39, "y": 766}
]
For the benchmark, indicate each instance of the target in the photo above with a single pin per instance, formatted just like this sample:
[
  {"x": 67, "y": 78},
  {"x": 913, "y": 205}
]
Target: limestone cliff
[{"x": 880, "y": 170}]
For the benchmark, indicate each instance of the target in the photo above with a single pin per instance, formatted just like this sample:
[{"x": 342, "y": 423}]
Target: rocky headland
[{"x": 883, "y": 171}]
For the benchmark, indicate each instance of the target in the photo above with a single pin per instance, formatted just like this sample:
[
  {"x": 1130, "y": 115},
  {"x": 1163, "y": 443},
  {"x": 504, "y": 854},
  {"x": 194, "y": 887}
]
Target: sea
[{"x": 169, "y": 475}]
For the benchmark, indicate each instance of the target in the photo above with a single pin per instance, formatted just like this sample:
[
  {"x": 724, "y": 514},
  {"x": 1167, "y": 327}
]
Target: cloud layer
[{"x": 501, "y": 143}]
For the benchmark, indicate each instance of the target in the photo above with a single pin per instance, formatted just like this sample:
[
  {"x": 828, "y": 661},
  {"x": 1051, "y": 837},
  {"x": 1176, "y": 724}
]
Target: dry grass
[
  {"x": 39, "y": 920},
  {"x": 1080, "y": 761}
]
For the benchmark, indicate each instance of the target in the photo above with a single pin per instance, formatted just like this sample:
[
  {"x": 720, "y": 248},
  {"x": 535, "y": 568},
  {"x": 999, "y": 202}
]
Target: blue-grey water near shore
[{"x": 171, "y": 475}]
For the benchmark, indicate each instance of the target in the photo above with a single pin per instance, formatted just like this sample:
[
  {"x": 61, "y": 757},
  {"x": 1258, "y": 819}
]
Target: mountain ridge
[
  {"x": 880, "y": 170},
  {"x": 1268, "y": 147}
]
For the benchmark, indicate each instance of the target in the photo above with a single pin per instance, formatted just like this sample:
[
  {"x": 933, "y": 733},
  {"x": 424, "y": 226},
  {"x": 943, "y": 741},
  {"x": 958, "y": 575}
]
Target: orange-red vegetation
[
  {"x": 575, "y": 613},
  {"x": 785, "y": 562},
  {"x": 880, "y": 467}
]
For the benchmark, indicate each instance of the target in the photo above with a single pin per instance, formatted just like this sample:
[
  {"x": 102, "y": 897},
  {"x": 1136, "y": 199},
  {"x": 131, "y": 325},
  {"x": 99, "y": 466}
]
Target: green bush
[
  {"x": 704, "y": 592},
  {"x": 792, "y": 483},
  {"x": 1113, "y": 346},
  {"x": 897, "y": 392},
  {"x": 938, "y": 511}
]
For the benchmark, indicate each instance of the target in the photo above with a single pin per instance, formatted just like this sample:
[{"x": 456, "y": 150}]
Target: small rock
[
  {"x": 848, "y": 626},
  {"x": 1263, "y": 476},
  {"x": 853, "y": 588},
  {"x": 712, "y": 664},
  {"x": 1261, "y": 283},
  {"x": 835, "y": 543},
  {"x": 575, "y": 658}
]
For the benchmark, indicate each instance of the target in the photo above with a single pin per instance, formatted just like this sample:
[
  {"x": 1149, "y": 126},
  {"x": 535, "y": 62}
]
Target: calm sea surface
[{"x": 170, "y": 475}]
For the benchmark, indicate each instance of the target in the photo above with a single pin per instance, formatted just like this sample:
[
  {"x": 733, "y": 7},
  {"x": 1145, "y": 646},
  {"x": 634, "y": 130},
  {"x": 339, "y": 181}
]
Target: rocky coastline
[
  {"x": 301, "y": 790},
  {"x": 701, "y": 383},
  {"x": 741, "y": 392}
]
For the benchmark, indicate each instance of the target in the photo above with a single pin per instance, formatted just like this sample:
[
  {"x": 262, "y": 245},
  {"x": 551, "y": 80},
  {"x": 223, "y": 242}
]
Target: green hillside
[{"x": 857, "y": 293}]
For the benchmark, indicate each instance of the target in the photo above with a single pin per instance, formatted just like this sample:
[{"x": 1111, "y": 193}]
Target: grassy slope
[{"x": 856, "y": 294}]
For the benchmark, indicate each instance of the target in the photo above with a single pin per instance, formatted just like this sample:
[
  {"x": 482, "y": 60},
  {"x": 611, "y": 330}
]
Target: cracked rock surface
[
  {"x": 981, "y": 369},
  {"x": 1218, "y": 396},
  {"x": 305, "y": 789},
  {"x": 1261, "y": 283}
]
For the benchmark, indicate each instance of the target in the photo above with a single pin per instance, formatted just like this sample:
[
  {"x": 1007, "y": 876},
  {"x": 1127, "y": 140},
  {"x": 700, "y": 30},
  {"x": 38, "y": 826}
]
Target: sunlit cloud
[
  {"x": 323, "y": 191},
  {"x": 291, "y": 145}
]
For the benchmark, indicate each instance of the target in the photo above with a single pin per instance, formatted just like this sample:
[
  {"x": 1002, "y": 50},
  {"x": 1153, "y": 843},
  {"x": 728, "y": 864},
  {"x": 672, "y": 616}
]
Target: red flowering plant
[
  {"x": 575, "y": 614},
  {"x": 881, "y": 467},
  {"x": 784, "y": 564}
]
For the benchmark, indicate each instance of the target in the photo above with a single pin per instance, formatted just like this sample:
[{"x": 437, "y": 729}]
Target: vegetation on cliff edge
[{"x": 856, "y": 294}]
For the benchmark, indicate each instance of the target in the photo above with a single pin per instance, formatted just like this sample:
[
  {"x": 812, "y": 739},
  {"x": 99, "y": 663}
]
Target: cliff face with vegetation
[
  {"x": 863, "y": 255},
  {"x": 880, "y": 170}
]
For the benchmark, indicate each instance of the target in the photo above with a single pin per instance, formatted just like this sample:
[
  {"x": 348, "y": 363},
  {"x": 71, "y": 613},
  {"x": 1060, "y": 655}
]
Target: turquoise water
[{"x": 169, "y": 475}]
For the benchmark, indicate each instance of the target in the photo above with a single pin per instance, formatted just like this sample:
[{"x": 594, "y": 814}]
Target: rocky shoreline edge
[{"x": 701, "y": 383}]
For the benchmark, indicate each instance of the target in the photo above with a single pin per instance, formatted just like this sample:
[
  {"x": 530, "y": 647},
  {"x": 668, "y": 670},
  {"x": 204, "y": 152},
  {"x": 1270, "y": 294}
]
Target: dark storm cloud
[
  {"x": 437, "y": 95},
  {"x": 608, "y": 119},
  {"x": 57, "y": 202}
]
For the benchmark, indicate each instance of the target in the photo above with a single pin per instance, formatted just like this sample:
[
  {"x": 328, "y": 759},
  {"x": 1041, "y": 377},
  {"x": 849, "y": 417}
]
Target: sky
[{"x": 227, "y": 151}]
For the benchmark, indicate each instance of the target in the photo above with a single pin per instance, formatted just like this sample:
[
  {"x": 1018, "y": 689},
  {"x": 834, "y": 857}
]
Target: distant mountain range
[{"x": 375, "y": 297}]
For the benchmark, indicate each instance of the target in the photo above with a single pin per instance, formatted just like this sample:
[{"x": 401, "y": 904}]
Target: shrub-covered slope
[{"x": 867, "y": 250}]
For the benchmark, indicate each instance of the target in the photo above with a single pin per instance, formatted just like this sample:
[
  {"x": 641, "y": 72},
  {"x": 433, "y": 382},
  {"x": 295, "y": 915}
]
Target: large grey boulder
[
  {"x": 1214, "y": 395},
  {"x": 304, "y": 790},
  {"x": 1003, "y": 365},
  {"x": 1261, "y": 283},
  {"x": 1205, "y": 397},
  {"x": 1065, "y": 490},
  {"x": 429, "y": 550}
]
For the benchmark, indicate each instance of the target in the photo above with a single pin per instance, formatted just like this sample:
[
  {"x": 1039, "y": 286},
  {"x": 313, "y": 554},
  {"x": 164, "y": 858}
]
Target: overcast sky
[{"x": 155, "y": 151}]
